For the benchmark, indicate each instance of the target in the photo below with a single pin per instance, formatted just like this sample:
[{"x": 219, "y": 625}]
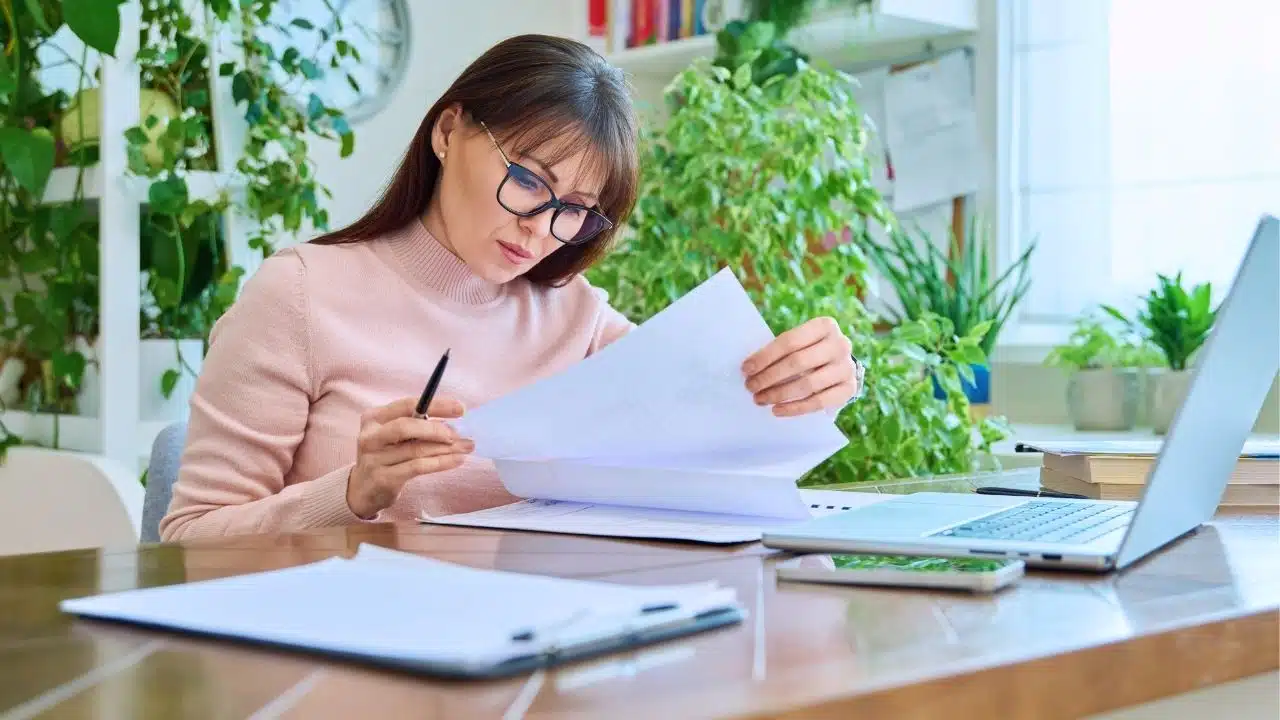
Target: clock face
[{"x": 354, "y": 53}]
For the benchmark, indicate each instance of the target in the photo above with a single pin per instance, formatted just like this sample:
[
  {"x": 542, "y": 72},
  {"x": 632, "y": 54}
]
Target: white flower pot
[
  {"x": 1168, "y": 389},
  {"x": 156, "y": 357},
  {"x": 1104, "y": 399}
]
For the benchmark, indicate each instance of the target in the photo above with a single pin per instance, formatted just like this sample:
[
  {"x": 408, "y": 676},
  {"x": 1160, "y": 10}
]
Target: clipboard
[{"x": 399, "y": 611}]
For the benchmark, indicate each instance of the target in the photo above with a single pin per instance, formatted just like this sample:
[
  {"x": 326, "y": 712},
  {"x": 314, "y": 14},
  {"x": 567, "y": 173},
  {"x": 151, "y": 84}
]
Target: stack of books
[
  {"x": 1118, "y": 470},
  {"x": 615, "y": 25}
]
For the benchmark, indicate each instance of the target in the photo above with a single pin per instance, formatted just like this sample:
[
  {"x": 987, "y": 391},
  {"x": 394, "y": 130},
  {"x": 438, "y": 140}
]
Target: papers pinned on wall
[
  {"x": 931, "y": 131},
  {"x": 924, "y": 143},
  {"x": 869, "y": 95}
]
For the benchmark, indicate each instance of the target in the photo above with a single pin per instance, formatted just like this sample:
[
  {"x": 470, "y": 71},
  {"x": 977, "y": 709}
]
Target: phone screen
[{"x": 918, "y": 564}]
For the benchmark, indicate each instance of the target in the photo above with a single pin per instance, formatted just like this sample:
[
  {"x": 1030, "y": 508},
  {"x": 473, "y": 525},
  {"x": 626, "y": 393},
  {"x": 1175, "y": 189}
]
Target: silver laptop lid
[{"x": 1230, "y": 380}]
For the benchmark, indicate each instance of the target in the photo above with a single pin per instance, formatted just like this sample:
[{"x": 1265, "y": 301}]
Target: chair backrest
[
  {"x": 162, "y": 473},
  {"x": 58, "y": 500}
]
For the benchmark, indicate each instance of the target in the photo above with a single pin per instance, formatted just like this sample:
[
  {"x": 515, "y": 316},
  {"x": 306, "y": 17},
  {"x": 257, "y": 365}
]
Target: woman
[{"x": 513, "y": 185}]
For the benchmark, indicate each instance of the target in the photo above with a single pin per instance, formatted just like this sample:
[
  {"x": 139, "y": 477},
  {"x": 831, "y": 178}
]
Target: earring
[{"x": 441, "y": 154}]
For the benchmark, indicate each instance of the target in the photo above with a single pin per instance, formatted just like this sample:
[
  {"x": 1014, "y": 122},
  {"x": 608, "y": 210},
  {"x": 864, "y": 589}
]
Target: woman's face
[{"x": 495, "y": 243}]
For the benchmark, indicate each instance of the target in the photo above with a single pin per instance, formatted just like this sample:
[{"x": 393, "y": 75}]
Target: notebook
[
  {"x": 1254, "y": 448},
  {"x": 655, "y": 436},
  {"x": 395, "y": 609}
]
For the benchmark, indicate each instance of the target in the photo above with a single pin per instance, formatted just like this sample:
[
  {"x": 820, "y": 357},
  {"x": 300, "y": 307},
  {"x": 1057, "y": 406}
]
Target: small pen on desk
[
  {"x": 1029, "y": 493},
  {"x": 429, "y": 393},
  {"x": 529, "y": 635}
]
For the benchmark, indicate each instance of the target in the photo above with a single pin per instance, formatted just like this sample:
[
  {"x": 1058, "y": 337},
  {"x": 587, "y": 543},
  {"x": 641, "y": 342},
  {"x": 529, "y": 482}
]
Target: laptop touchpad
[{"x": 907, "y": 519}]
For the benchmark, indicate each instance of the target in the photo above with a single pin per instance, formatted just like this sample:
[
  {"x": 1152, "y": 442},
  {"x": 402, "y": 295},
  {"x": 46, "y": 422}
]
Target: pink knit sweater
[{"x": 322, "y": 333}]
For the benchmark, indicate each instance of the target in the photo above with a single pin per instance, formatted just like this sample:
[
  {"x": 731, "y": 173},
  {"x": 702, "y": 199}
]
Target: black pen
[
  {"x": 1029, "y": 493},
  {"x": 429, "y": 392},
  {"x": 528, "y": 635}
]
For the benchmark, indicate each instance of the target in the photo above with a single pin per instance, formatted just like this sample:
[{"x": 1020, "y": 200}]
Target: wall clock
[{"x": 359, "y": 48}]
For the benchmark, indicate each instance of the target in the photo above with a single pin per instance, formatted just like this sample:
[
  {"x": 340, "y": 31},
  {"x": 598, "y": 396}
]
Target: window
[{"x": 1143, "y": 138}]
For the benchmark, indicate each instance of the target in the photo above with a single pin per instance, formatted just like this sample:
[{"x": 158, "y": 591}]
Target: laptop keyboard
[{"x": 1045, "y": 521}]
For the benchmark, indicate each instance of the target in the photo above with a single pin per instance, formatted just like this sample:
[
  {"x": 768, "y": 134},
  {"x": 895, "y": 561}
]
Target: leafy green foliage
[
  {"x": 190, "y": 280},
  {"x": 749, "y": 176},
  {"x": 1174, "y": 319},
  {"x": 959, "y": 284},
  {"x": 760, "y": 38},
  {"x": 50, "y": 252},
  {"x": 1095, "y": 345},
  {"x": 28, "y": 155},
  {"x": 284, "y": 196},
  {"x": 97, "y": 22}
]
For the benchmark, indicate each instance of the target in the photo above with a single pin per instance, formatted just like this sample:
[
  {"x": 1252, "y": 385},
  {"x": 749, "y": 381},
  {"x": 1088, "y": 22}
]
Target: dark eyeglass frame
[{"x": 555, "y": 202}]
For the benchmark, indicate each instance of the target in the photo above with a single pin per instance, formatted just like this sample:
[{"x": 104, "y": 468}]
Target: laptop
[{"x": 1230, "y": 381}]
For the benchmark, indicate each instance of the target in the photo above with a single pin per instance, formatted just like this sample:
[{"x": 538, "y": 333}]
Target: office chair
[{"x": 162, "y": 473}]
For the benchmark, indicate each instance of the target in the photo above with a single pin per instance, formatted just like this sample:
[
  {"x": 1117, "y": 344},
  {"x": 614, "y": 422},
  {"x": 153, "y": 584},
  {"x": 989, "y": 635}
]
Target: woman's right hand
[{"x": 395, "y": 447}]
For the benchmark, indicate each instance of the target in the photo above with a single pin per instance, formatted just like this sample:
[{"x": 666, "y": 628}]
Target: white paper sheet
[
  {"x": 932, "y": 132},
  {"x": 659, "y": 488},
  {"x": 577, "y": 518},
  {"x": 671, "y": 388},
  {"x": 393, "y": 606}
]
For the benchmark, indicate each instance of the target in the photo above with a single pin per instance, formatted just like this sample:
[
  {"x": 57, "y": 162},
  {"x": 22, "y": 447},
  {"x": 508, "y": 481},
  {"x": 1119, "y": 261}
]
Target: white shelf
[
  {"x": 837, "y": 37},
  {"x": 75, "y": 432},
  {"x": 201, "y": 185}
]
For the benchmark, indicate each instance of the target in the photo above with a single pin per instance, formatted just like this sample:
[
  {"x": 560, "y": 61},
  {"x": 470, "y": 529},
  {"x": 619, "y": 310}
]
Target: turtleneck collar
[{"x": 431, "y": 266}]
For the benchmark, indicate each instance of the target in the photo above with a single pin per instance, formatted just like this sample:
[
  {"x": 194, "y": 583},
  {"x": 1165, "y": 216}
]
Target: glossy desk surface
[{"x": 1200, "y": 612}]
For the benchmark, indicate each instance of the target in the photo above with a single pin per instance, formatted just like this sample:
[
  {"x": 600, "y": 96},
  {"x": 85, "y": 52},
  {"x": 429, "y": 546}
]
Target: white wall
[{"x": 442, "y": 44}]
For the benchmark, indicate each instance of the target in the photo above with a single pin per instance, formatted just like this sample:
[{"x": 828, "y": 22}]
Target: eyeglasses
[{"x": 523, "y": 192}]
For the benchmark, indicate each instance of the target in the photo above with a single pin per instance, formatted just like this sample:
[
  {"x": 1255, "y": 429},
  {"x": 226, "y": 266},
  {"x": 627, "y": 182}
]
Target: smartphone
[{"x": 982, "y": 575}]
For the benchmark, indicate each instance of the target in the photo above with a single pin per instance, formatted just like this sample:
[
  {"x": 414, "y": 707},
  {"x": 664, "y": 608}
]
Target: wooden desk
[{"x": 1059, "y": 645}]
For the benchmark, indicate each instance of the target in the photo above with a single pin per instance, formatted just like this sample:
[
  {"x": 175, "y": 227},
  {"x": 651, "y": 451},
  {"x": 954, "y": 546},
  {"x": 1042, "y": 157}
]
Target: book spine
[
  {"x": 616, "y": 25},
  {"x": 620, "y": 20},
  {"x": 598, "y": 25}
]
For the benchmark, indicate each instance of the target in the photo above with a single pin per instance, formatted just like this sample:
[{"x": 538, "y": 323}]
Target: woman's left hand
[{"x": 804, "y": 370}]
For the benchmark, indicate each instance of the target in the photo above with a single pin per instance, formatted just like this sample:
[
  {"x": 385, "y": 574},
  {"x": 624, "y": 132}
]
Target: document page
[
  {"x": 577, "y": 518},
  {"x": 672, "y": 387},
  {"x": 667, "y": 487}
]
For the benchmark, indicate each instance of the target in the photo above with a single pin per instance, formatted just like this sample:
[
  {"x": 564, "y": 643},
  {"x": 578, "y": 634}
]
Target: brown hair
[{"x": 529, "y": 90}]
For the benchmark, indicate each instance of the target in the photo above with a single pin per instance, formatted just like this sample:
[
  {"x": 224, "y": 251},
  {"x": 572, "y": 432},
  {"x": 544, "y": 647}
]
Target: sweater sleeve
[
  {"x": 248, "y": 415},
  {"x": 610, "y": 324}
]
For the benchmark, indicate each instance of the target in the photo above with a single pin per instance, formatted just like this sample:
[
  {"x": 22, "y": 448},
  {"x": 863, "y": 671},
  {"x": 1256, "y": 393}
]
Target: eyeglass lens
[{"x": 523, "y": 192}]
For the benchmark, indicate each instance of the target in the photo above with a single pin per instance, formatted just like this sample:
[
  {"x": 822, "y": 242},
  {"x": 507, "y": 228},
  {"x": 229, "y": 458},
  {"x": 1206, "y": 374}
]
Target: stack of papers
[
  {"x": 401, "y": 610},
  {"x": 655, "y": 436}
]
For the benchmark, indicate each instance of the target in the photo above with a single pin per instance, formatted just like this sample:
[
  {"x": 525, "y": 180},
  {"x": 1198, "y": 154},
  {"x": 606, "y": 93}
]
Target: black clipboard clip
[{"x": 650, "y": 625}]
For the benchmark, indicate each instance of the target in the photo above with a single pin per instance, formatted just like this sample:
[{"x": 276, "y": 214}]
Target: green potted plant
[
  {"x": 1177, "y": 320},
  {"x": 733, "y": 179},
  {"x": 48, "y": 254},
  {"x": 959, "y": 284},
  {"x": 1105, "y": 369},
  {"x": 49, "y": 323}
]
